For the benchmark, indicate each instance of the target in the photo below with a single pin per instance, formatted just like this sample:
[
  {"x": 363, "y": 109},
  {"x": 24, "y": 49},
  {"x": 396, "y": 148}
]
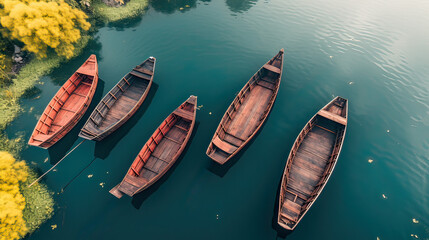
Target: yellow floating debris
[
  {"x": 54, "y": 170},
  {"x": 350, "y": 83},
  {"x": 378, "y": 238},
  {"x": 388, "y": 130},
  {"x": 330, "y": 57},
  {"x": 186, "y": 5},
  {"x": 217, "y": 216},
  {"x": 102, "y": 184},
  {"x": 415, "y": 220},
  {"x": 384, "y": 196},
  {"x": 181, "y": 9},
  {"x": 210, "y": 113},
  {"x": 46, "y": 160},
  {"x": 54, "y": 226},
  {"x": 370, "y": 160},
  {"x": 90, "y": 175}
]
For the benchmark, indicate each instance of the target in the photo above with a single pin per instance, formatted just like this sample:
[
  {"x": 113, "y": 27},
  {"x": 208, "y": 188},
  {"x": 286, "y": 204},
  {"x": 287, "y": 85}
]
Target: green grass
[
  {"x": 131, "y": 9},
  {"x": 39, "y": 204}
]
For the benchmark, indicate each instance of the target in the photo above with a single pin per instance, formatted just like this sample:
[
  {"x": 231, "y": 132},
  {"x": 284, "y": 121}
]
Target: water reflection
[
  {"x": 171, "y": 6},
  {"x": 240, "y": 6},
  {"x": 60, "y": 75}
]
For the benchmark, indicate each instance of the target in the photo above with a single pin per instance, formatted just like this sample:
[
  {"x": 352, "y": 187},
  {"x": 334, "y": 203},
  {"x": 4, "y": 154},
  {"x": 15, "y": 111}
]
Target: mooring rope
[{"x": 56, "y": 164}]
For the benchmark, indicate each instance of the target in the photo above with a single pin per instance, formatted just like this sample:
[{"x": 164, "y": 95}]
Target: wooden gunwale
[
  {"x": 336, "y": 150},
  {"x": 237, "y": 102},
  {"x": 51, "y": 139},
  {"x": 115, "y": 125},
  {"x": 192, "y": 100}
]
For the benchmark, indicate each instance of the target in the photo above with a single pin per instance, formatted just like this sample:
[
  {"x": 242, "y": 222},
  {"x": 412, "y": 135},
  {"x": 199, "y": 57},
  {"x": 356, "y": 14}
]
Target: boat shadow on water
[
  {"x": 139, "y": 198},
  {"x": 104, "y": 147},
  {"x": 60, "y": 149},
  {"x": 221, "y": 170}
]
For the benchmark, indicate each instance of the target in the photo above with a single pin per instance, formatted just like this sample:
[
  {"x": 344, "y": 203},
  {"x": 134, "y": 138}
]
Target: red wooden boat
[
  {"x": 311, "y": 162},
  {"x": 161, "y": 151},
  {"x": 247, "y": 112},
  {"x": 67, "y": 106}
]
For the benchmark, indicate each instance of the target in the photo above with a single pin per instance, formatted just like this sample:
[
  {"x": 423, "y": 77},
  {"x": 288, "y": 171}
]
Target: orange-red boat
[{"x": 67, "y": 106}]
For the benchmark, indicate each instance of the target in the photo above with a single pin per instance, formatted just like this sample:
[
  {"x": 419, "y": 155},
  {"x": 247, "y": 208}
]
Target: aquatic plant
[
  {"x": 43, "y": 25},
  {"x": 131, "y": 9}
]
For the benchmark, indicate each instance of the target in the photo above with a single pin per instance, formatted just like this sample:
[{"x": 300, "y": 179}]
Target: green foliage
[
  {"x": 39, "y": 203},
  {"x": 131, "y": 9},
  {"x": 43, "y": 25}
]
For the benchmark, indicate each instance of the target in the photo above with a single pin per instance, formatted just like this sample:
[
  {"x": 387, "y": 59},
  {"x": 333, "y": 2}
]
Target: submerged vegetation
[{"x": 22, "y": 209}]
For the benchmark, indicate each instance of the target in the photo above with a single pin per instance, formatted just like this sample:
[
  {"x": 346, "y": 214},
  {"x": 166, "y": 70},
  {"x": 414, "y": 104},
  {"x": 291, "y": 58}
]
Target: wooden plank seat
[
  {"x": 266, "y": 85},
  {"x": 140, "y": 75},
  {"x": 184, "y": 114},
  {"x": 143, "y": 70},
  {"x": 224, "y": 146},
  {"x": 291, "y": 210},
  {"x": 333, "y": 117},
  {"x": 272, "y": 68}
]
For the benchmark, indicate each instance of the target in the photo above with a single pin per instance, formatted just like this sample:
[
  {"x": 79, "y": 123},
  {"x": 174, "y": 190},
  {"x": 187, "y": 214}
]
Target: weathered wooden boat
[
  {"x": 161, "y": 150},
  {"x": 311, "y": 162},
  {"x": 247, "y": 112},
  {"x": 121, "y": 102},
  {"x": 67, "y": 106}
]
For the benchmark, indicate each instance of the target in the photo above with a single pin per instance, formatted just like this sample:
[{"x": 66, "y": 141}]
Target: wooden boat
[
  {"x": 247, "y": 112},
  {"x": 161, "y": 150},
  {"x": 311, "y": 162},
  {"x": 67, "y": 106},
  {"x": 121, "y": 102}
]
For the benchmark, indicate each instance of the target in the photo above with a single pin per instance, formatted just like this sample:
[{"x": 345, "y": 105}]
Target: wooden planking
[
  {"x": 249, "y": 114},
  {"x": 233, "y": 140}
]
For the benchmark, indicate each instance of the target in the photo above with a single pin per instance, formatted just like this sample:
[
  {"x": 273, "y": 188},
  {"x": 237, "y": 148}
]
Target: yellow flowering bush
[
  {"x": 43, "y": 25},
  {"x": 12, "y": 203}
]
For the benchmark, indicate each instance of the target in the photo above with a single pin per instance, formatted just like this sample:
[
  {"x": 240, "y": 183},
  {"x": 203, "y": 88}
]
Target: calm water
[{"x": 375, "y": 53}]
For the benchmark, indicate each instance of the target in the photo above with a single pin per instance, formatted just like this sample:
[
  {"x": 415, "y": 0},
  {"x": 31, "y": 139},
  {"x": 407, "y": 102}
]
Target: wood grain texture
[
  {"x": 311, "y": 162},
  {"x": 67, "y": 106},
  {"x": 120, "y": 103},
  {"x": 247, "y": 112},
  {"x": 160, "y": 152}
]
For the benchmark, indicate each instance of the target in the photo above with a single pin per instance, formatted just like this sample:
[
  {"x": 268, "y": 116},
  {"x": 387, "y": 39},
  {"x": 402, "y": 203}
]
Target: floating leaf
[
  {"x": 90, "y": 176},
  {"x": 330, "y": 57},
  {"x": 102, "y": 184},
  {"x": 370, "y": 160},
  {"x": 210, "y": 113},
  {"x": 350, "y": 83},
  {"x": 388, "y": 130},
  {"x": 384, "y": 196},
  {"x": 181, "y": 9},
  {"x": 54, "y": 226},
  {"x": 187, "y": 6},
  {"x": 46, "y": 159},
  {"x": 415, "y": 220}
]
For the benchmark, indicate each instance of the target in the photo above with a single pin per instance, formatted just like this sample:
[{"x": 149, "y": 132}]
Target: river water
[{"x": 373, "y": 52}]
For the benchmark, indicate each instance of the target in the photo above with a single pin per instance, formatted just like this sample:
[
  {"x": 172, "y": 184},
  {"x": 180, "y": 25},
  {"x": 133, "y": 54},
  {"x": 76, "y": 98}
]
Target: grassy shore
[{"x": 131, "y": 9}]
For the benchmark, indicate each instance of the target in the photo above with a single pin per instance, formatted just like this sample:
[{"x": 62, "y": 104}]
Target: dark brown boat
[
  {"x": 161, "y": 150},
  {"x": 247, "y": 112},
  {"x": 121, "y": 102},
  {"x": 67, "y": 106},
  {"x": 311, "y": 162}
]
